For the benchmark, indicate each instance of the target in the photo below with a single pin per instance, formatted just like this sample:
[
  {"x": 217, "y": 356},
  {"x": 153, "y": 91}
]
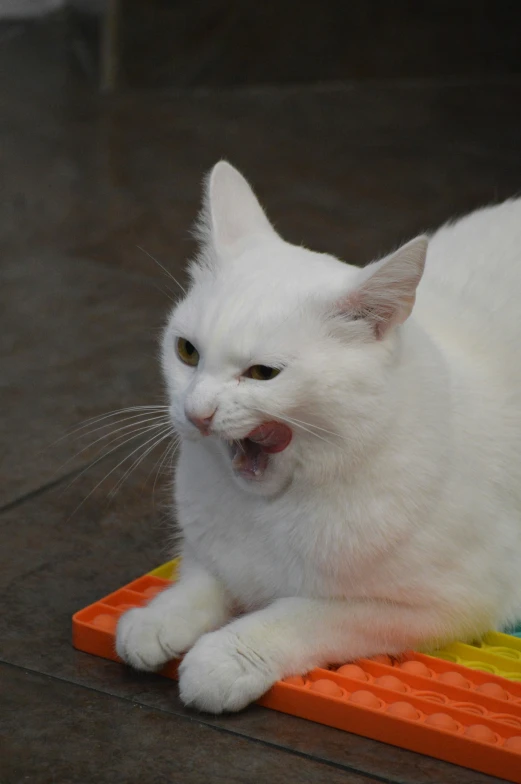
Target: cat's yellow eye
[
  {"x": 187, "y": 352},
  {"x": 262, "y": 372}
]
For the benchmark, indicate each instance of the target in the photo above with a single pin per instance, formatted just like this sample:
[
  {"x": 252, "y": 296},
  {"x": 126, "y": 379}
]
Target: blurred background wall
[{"x": 183, "y": 43}]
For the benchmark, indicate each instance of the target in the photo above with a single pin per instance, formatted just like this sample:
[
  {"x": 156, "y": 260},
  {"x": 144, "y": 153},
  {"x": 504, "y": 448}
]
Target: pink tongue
[{"x": 272, "y": 437}]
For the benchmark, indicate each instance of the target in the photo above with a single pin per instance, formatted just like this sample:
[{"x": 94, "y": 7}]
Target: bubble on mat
[
  {"x": 454, "y": 679},
  {"x": 353, "y": 671},
  {"x": 506, "y": 718},
  {"x": 433, "y": 696},
  {"x": 297, "y": 680},
  {"x": 480, "y": 667},
  {"x": 508, "y": 653},
  {"x": 513, "y": 744},
  {"x": 442, "y": 721},
  {"x": 492, "y": 690},
  {"x": 327, "y": 687},
  {"x": 365, "y": 698},
  {"x": 403, "y": 710},
  {"x": 382, "y": 658},
  {"x": 470, "y": 707},
  {"x": 481, "y": 733},
  {"x": 391, "y": 682},
  {"x": 416, "y": 668},
  {"x": 152, "y": 590},
  {"x": 106, "y": 622}
]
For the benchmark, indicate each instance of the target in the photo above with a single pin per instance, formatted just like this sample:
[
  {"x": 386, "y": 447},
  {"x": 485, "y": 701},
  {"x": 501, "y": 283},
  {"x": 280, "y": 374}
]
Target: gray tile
[{"x": 72, "y": 734}]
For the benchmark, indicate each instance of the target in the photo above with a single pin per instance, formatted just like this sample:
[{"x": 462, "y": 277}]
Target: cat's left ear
[
  {"x": 385, "y": 292},
  {"x": 231, "y": 211}
]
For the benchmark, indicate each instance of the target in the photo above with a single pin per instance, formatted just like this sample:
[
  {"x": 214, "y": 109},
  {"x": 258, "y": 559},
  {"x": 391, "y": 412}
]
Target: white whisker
[
  {"x": 161, "y": 437},
  {"x": 300, "y": 425},
  {"x": 141, "y": 446},
  {"x": 135, "y": 421},
  {"x": 100, "y": 417},
  {"x": 118, "y": 446},
  {"x": 159, "y": 465},
  {"x": 315, "y": 427},
  {"x": 138, "y": 428},
  {"x": 163, "y": 268}
]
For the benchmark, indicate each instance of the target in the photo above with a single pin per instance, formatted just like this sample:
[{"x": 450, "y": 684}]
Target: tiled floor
[{"x": 84, "y": 181}]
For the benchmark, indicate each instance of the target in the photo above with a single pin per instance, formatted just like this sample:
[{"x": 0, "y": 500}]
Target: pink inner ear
[
  {"x": 380, "y": 315},
  {"x": 386, "y": 294}
]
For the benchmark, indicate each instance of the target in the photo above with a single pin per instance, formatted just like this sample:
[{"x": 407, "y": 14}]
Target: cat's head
[{"x": 278, "y": 357}]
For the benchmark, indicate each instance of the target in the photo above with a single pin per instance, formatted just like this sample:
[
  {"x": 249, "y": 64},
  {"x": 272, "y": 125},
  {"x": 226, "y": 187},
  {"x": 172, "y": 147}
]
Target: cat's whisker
[
  {"x": 101, "y": 417},
  {"x": 239, "y": 445},
  {"x": 315, "y": 427},
  {"x": 155, "y": 437},
  {"x": 138, "y": 460},
  {"x": 171, "y": 452},
  {"x": 171, "y": 296},
  {"x": 298, "y": 424},
  {"x": 159, "y": 464},
  {"x": 171, "y": 449},
  {"x": 138, "y": 427},
  {"x": 142, "y": 431},
  {"x": 133, "y": 421},
  {"x": 162, "y": 267},
  {"x": 118, "y": 411}
]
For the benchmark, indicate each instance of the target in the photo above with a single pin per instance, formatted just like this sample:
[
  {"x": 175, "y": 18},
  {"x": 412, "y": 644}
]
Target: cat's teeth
[
  {"x": 236, "y": 451},
  {"x": 238, "y": 460}
]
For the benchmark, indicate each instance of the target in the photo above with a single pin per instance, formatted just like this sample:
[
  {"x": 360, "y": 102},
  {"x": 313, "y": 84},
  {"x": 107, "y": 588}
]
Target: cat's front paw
[
  {"x": 221, "y": 673},
  {"x": 148, "y": 637}
]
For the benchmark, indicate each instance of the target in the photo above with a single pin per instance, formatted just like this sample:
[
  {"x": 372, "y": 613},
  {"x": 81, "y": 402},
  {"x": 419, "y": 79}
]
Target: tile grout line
[
  {"x": 51, "y": 484},
  {"x": 223, "y": 730},
  {"x": 39, "y": 490}
]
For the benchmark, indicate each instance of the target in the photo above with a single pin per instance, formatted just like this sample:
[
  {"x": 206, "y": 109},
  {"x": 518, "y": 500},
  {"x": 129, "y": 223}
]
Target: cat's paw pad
[
  {"x": 220, "y": 673},
  {"x": 147, "y": 637}
]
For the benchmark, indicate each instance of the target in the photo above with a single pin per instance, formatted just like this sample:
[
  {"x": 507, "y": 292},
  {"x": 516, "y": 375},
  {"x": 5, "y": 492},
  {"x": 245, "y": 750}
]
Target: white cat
[{"x": 349, "y": 480}]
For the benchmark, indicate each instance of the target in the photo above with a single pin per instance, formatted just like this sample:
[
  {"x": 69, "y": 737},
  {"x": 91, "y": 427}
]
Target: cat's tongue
[
  {"x": 272, "y": 437},
  {"x": 250, "y": 456}
]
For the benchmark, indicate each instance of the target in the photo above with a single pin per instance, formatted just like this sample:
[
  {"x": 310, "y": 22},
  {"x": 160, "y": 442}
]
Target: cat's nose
[{"x": 203, "y": 424}]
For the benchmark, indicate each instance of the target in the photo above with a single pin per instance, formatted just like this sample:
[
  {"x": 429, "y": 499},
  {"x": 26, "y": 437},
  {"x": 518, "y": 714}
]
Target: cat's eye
[
  {"x": 262, "y": 372},
  {"x": 187, "y": 352}
]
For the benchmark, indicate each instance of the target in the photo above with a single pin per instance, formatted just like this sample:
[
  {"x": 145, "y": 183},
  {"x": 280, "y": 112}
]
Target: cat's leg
[
  {"x": 147, "y": 637},
  {"x": 229, "y": 668}
]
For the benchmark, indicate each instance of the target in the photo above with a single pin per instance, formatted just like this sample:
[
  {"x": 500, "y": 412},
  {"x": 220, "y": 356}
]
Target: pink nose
[{"x": 202, "y": 423}]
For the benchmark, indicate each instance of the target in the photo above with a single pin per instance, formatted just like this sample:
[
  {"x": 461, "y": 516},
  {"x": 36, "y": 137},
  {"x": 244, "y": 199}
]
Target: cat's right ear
[
  {"x": 385, "y": 292},
  {"x": 231, "y": 212}
]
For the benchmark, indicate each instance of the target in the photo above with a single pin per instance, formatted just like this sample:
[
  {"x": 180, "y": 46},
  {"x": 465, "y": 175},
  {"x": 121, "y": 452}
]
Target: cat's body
[{"x": 393, "y": 518}]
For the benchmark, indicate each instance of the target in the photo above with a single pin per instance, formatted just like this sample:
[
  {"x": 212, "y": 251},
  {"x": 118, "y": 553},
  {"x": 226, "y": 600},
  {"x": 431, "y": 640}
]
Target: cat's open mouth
[{"x": 251, "y": 455}]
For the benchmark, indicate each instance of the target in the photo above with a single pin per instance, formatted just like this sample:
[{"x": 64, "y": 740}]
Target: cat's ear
[
  {"x": 385, "y": 292},
  {"x": 231, "y": 211}
]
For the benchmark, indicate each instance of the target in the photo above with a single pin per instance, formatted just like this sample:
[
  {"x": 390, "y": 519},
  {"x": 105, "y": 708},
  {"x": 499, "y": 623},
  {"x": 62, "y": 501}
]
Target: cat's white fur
[{"x": 393, "y": 519}]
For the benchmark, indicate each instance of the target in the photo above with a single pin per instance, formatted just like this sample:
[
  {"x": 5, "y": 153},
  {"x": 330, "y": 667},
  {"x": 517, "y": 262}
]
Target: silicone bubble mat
[
  {"x": 457, "y": 706},
  {"x": 499, "y": 654}
]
